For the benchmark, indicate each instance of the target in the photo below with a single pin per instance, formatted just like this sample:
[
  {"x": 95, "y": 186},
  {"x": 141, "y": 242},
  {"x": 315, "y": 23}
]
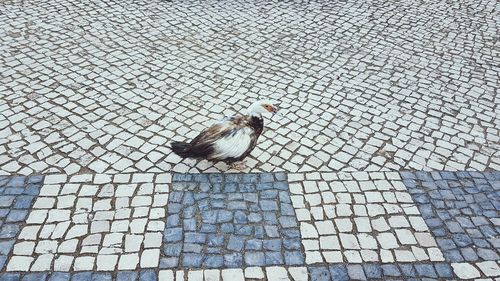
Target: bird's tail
[{"x": 181, "y": 149}]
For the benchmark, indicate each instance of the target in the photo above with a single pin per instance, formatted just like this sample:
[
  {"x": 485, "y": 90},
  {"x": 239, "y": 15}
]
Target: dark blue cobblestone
[
  {"x": 169, "y": 262},
  {"x": 60, "y": 276},
  {"x": 408, "y": 270},
  {"x": 35, "y": 276},
  {"x": 390, "y": 270},
  {"x": 148, "y": 275},
  {"x": 425, "y": 270},
  {"x": 274, "y": 258},
  {"x": 320, "y": 273},
  {"x": 10, "y": 276},
  {"x": 339, "y": 272},
  {"x": 192, "y": 260},
  {"x": 104, "y": 276},
  {"x": 291, "y": 243},
  {"x": 81, "y": 276},
  {"x": 233, "y": 260},
  {"x": 3, "y": 260},
  {"x": 231, "y": 214},
  {"x": 443, "y": 270},
  {"x": 182, "y": 177},
  {"x": 126, "y": 276},
  {"x": 266, "y": 177},
  {"x": 453, "y": 256},
  {"x": 294, "y": 258},
  {"x": 255, "y": 258},
  {"x": 253, "y": 244},
  {"x": 213, "y": 261},
  {"x": 373, "y": 270}
]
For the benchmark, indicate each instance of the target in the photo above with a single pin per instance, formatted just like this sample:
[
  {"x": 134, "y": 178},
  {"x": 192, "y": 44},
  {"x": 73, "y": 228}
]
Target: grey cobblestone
[{"x": 238, "y": 218}]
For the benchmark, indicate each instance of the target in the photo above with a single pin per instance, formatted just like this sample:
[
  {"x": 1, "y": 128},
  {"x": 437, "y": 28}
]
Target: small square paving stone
[
  {"x": 339, "y": 272},
  {"x": 35, "y": 276},
  {"x": 60, "y": 276},
  {"x": 232, "y": 214},
  {"x": 320, "y": 273},
  {"x": 16, "y": 197},
  {"x": 10, "y": 276},
  {"x": 104, "y": 276},
  {"x": 443, "y": 270},
  {"x": 390, "y": 270},
  {"x": 373, "y": 270},
  {"x": 356, "y": 272}
]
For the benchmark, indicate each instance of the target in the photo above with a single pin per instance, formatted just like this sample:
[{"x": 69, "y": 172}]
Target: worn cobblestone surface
[
  {"x": 231, "y": 221},
  {"x": 463, "y": 212},
  {"x": 103, "y": 86},
  {"x": 92, "y": 92},
  {"x": 270, "y": 226}
]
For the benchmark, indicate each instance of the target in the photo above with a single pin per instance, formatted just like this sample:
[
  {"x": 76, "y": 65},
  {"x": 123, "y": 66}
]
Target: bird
[{"x": 229, "y": 140}]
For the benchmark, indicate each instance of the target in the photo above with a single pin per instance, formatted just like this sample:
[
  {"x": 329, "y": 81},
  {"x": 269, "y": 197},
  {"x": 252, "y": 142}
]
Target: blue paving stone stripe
[
  {"x": 462, "y": 210},
  {"x": 376, "y": 271},
  {"x": 230, "y": 221},
  {"x": 17, "y": 194}
]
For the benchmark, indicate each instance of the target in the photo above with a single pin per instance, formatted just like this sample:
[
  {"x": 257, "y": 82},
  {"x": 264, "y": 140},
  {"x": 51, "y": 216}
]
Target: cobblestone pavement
[
  {"x": 382, "y": 166},
  {"x": 313, "y": 226},
  {"x": 100, "y": 86},
  {"x": 463, "y": 212},
  {"x": 244, "y": 220}
]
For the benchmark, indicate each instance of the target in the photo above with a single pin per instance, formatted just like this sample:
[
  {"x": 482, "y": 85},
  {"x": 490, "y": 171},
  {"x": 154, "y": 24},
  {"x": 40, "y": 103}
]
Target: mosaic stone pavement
[
  {"x": 265, "y": 226},
  {"x": 103, "y": 86},
  {"x": 92, "y": 92},
  {"x": 231, "y": 220}
]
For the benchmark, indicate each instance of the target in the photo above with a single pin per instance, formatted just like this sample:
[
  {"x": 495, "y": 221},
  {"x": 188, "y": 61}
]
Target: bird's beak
[{"x": 275, "y": 110}]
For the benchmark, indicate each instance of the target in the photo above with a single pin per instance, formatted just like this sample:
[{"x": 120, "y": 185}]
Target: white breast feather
[{"x": 233, "y": 146}]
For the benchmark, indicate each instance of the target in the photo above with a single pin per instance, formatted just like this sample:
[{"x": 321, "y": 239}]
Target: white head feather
[{"x": 261, "y": 106}]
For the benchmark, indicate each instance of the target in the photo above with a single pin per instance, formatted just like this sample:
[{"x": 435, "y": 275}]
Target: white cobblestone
[
  {"x": 367, "y": 110},
  {"x": 465, "y": 270}
]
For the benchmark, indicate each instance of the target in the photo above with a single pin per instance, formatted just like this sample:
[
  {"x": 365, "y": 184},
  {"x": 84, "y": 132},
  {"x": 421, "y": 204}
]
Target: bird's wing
[
  {"x": 234, "y": 144},
  {"x": 229, "y": 138}
]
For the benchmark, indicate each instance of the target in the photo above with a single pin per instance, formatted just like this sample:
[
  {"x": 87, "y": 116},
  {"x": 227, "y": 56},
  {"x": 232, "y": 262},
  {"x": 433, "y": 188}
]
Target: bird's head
[{"x": 262, "y": 106}]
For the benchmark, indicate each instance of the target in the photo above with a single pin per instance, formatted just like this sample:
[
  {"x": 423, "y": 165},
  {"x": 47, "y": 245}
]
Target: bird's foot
[{"x": 240, "y": 166}]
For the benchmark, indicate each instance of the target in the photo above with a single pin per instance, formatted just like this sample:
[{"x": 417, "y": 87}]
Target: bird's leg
[{"x": 239, "y": 165}]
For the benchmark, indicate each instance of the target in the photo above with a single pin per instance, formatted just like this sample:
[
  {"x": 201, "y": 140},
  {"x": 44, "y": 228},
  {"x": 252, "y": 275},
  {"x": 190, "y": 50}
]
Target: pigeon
[{"x": 229, "y": 140}]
